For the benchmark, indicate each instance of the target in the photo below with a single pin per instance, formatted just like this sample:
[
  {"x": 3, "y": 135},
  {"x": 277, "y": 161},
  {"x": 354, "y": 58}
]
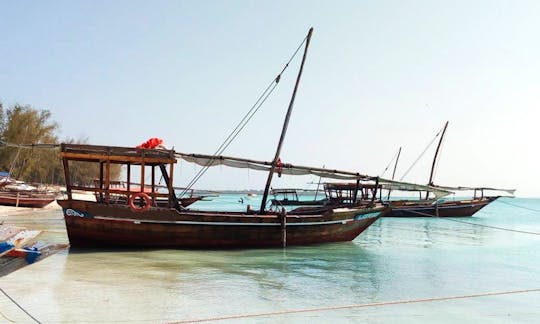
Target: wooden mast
[
  {"x": 430, "y": 183},
  {"x": 394, "y": 173},
  {"x": 285, "y": 125}
]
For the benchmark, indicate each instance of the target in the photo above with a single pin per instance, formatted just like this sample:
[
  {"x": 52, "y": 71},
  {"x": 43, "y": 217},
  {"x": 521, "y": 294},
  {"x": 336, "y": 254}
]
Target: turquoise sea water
[{"x": 395, "y": 260}]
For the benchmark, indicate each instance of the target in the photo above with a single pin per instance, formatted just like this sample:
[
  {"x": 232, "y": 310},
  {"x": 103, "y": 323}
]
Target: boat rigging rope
[
  {"x": 389, "y": 163},
  {"x": 244, "y": 121},
  {"x": 420, "y": 156},
  {"x": 488, "y": 226},
  {"x": 474, "y": 224},
  {"x": 39, "y": 145},
  {"x": 14, "y": 302},
  {"x": 518, "y": 206},
  {"x": 377, "y": 304}
]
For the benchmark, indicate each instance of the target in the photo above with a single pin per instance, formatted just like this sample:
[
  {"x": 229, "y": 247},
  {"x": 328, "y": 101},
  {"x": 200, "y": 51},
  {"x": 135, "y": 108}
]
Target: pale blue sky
[{"x": 379, "y": 75}]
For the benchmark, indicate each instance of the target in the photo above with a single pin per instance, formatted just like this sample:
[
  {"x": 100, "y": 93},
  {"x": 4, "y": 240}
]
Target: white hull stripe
[{"x": 137, "y": 221}]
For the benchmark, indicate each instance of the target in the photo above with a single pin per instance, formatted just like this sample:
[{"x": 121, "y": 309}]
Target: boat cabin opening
[
  {"x": 351, "y": 193},
  {"x": 147, "y": 165}
]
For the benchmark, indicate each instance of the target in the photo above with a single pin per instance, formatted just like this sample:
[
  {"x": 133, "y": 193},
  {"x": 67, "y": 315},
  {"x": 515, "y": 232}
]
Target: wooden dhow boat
[
  {"x": 19, "y": 194},
  {"x": 142, "y": 223},
  {"x": 438, "y": 205},
  {"x": 434, "y": 203}
]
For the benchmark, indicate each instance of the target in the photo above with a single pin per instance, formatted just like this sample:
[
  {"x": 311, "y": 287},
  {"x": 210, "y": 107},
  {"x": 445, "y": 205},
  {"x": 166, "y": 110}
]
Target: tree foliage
[{"x": 26, "y": 125}]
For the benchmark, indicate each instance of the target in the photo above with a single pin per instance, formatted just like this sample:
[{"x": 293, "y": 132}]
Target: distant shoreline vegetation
[{"x": 23, "y": 124}]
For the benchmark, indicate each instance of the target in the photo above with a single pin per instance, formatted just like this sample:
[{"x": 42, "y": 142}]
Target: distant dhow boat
[
  {"x": 434, "y": 203},
  {"x": 20, "y": 194}
]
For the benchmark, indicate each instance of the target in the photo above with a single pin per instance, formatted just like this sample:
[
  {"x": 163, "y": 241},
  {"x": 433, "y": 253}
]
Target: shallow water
[{"x": 396, "y": 259}]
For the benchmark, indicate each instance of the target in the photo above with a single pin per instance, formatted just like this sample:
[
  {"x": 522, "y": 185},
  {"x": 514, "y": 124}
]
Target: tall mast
[
  {"x": 394, "y": 173},
  {"x": 395, "y": 165},
  {"x": 435, "y": 158},
  {"x": 285, "y": 124}
]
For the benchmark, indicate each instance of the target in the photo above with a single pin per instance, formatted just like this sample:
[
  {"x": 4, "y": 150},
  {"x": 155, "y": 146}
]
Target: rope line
[
  {"x": 227, "y": 142},
  {"x": 475, "y": 224},
  {"x": 420, "y": 156},
  {"x": 7, "y": 318},
  {"x": 518, "y": 206},
  {"x": 42, "y": 145},
  {"x": 489, "y": 226},
  {"x": 14, "y": 302},
  {"x": 243, "y": 122},
  {"x": 389, "y": 163},
  {"x": 331, "y": 308}
]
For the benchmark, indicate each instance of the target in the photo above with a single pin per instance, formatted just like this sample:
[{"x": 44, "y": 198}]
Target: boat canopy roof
[
  {"x": 114, "y": 154},
  {"x": 391, "y": 185}
]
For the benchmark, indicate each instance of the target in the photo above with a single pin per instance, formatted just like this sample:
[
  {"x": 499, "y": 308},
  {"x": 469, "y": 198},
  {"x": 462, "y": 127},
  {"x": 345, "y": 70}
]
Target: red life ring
[{"x": 136, "y": 208}]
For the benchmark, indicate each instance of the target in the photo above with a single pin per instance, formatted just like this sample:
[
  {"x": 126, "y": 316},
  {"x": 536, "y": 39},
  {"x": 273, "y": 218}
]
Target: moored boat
[
  {"x": 143, "y": 223},
  {"x": 433, "y": 202},
  {"x": 438, "y": 208}
]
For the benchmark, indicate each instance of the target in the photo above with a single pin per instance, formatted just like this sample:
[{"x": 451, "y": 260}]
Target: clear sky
[{"x": 379, "y": 75}]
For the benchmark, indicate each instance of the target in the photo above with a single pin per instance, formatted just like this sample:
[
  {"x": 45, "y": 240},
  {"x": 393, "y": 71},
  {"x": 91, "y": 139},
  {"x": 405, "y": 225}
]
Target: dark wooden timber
[
  {"x": 172, "y": 196},
  {"x": 285, "y": 124}
]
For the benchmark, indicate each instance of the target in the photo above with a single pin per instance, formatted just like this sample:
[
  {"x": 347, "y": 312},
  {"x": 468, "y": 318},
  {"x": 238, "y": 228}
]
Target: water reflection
[{"x": 223, "y": 281}]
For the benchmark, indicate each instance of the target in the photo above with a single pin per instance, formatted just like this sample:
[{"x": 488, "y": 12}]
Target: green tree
[
  {"x": 26, "y": 125},
  {"x": 22, "y": 125}
]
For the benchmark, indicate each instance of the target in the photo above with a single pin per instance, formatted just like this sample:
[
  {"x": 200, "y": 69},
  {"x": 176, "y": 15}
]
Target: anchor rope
[
  {"x": 244, "y": 121},
  {"x": 518, "y": 206},
  {"x": 340, "y": 307},
  {"x": 17, "y": 304},
  {"x": 474, "y": 224},
  {"x": 489, "y": 226}
]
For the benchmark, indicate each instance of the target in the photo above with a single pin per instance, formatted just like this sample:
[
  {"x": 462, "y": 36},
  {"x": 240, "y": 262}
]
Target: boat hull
[
  {"x": 26, "y": 200},
  {"x": 96, "y": 225},
  {"x": 458, "y": 208}
]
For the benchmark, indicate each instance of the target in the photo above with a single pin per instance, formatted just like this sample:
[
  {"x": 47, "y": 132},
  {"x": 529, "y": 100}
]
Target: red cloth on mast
[
  {"x": 279, "y": 167},
  {"x": 151, "y": 143}
]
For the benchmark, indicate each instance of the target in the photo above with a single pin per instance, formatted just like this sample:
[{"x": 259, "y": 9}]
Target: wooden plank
[{"x": 88, "y": 157}]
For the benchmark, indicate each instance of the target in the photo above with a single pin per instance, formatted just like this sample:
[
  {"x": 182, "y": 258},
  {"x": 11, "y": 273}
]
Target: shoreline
[{"x": 12, "y": 210}]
